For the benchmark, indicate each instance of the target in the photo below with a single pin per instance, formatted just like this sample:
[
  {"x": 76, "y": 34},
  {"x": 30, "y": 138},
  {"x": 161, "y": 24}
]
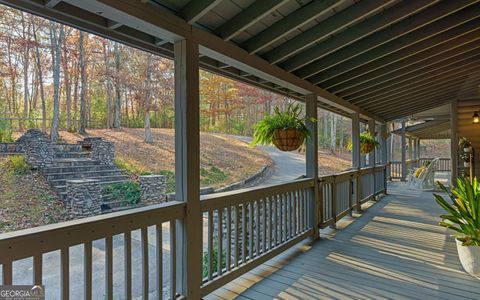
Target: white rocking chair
[{"x": 426, "y": 180}]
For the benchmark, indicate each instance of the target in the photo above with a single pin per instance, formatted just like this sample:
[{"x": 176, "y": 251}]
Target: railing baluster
[
  {"x": 159, "y": 260},
  {"x": 229, "y": 238},
  {"x": 275, "y": 220},
  {"x": 244, "y": 232},
  {"x": 250, "y": 231},
  {"x": 210, "y": 244},
  {"x": 37, "y": 269},
  {"x": 173, "y": 260},
  {"x": 237, "y": 236},
  {"x": 264, "y": 221},
  {"x": 7, "y": 273},
  {"x": 127, "y": 239},
  {"x": 88, "y": 269},
  {"x": 220, "y": 241},
  {"x": 295, "y": 217},
  {"x": 144, "y": 247},
  {"x": 108, "y": 267},
  {"x": 271, "y": 199},
  {"x": 65, "y": 272},
  {"x": 257, "y": 227},
  {"x": 282, "y": 222}
]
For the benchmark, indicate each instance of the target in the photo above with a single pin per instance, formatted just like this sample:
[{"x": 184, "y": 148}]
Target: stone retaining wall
[
  {"x": 103, "y": 151},
  {"x": 84, "y": 198},
  {"x": 153, "y": 189}
]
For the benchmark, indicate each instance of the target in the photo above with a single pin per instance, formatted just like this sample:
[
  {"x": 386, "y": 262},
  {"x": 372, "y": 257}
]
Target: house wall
[{"x": 465, "y": 128}]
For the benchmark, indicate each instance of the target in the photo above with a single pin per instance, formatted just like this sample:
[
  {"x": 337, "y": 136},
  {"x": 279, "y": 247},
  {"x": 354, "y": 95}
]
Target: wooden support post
[
  {"x": 312, "y": 158},
  {"x": 389, "y": 152},
  {"x": 384, "y": 153},
  {"x": 404, "y": 153},
  {"x": 410, "y": 149},
  {"x": 371, "y": 155},
  {"x": 356, "y": 158},
  {"x": 453, "y": 142},
  {"x": 187, "y": 169}
]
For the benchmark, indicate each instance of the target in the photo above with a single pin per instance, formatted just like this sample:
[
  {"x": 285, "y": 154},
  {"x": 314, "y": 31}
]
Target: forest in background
[{"x": 57, "y": 77}]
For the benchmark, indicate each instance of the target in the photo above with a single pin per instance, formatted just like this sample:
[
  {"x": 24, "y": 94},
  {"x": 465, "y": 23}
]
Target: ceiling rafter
[
  {"x": 333, "y": 24},
  {"x": 397, "y": 32},
  {"x": 423, "y": 80},
  {"x": 247, "y": 17},
  {"x": 414, "y": 70},
  {"x": 195, "y": 9},
  {"x": 52, "y": 3},
  {"x": 288, "y": 24},
  {"x": 368, "y": 32},
  {"x": 351, "y": 69}
]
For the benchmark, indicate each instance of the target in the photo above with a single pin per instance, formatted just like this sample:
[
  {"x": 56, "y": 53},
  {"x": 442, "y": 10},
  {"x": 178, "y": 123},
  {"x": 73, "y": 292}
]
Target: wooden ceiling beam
[
  {"x": 328, "y": 26},
  {"x": 373, "y": 60},
  {"x": 359, "y": 32},
  {"x": 455, "y": 70},
  {"x": 288, "y": 24},
  {"x": 52, "y": 3},
  {"x": 247, "y": 17},
  {"x": 195, "y": 9},
  {"x": 411, "y": 71},
  {"x": 402, "y": 33}
]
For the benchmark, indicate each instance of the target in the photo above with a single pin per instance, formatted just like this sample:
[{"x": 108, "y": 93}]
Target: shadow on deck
[{"x": 394, "y": 250}]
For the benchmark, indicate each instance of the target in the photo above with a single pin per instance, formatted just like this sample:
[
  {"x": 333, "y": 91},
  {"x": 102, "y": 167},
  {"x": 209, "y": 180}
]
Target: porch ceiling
[
  {"x": 386, "y": 59},
  {"x": 435, "y": 129}
]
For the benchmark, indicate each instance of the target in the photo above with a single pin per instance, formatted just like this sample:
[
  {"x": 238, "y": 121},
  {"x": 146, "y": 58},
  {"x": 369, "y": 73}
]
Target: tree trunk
[
  {"x": 148, "y": 100},
  {"x": 108, "y": 85},
  {"x": 56, "y": 42},
  {"x": 83, "y": 80},
  {"x": 118, "y": 98},
  {"x": 40, "y": 79},
  {"x": 333, "y": 134},
  {"x": 68, "y": 87},
  {"x": 26, "y": 65}
]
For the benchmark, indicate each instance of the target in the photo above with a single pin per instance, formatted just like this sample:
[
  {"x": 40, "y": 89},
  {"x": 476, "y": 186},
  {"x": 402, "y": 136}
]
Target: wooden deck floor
[{"x": 394, "y": 250}]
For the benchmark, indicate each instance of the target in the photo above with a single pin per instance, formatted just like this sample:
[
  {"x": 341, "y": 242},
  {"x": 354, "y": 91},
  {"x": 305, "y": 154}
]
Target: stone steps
[
  {"x": 72, "y": 154},
  {"x": 72, "y": 169},
  {"x": 76, "y": 174},
  {"x": 73, "y": 162}
]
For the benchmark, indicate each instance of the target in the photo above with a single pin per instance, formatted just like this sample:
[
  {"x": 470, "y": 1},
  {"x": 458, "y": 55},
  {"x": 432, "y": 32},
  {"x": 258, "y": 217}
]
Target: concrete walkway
[{"x": 394, "y": 250}]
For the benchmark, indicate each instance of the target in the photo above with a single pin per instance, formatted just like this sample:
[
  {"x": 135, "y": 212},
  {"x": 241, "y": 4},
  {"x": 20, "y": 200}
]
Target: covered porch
[
  {"x": 395, "y": 249},
  {"x": 376, "y": 62}
]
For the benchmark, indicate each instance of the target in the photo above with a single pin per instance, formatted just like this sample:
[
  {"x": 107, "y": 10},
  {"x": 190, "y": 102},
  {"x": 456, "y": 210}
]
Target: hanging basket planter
[
  {"x": 288, "y": 139},
  {"x": 286, "y": 129},
  {"x": 367, "y": 147}
]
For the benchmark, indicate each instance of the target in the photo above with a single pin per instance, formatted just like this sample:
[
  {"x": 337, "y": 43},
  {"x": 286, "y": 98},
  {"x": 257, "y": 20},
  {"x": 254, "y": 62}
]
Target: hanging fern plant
[
  {"x": 367, "y": 143},
  {"x": 285, "y": 129}
]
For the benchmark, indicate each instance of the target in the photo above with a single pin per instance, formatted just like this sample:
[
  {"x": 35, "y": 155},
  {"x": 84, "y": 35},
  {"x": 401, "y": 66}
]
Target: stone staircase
[{"x": 72, "y": 163}]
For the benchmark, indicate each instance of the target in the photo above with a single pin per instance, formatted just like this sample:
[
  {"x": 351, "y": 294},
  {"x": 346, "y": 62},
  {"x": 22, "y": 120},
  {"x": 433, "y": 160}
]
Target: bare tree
[
  {"x": 56, "y": 40},
  {"x": 118, "y": 98},
  {"x": 83, "y": 79},
  {"x": 148, "y": 95},
  {"x": 40, "y": 76}
]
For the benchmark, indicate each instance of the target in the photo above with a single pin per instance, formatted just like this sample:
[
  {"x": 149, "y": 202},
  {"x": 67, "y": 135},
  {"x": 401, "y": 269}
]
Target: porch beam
[
  {"x": 195, "y": 9},
  {"x": 187, "y": 168},
  {"x": 404, "y": 153},
  {"x": 52, "y": 3},
  {"x": 247, "y": 17},
  {"x": 311, "y": 115},
  {"x": 375, "y": 59},
  {"x": 288, "y": 24},
  {"x": 409, "y": 72},
  {"x": 331, "y": 25},
  {"x": 422, "y": 25},
  {"x": 422, "y": 81},
  {"x": 367, "y": 34},
  {"x": 112, "y": 25}
]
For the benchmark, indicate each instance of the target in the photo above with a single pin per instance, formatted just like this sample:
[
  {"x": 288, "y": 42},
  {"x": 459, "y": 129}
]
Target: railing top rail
[
  {"x": 219, "y": 200},
  {"x": 24, "y": 243}
]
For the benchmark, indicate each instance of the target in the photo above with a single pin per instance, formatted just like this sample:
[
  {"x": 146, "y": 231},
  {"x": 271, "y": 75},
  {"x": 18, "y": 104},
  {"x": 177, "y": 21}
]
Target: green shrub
[
  {"x": 5, "y": 132},
  {"x": 130, "y": 167},
  {"x": 170, "y": 180},
  {"x": 128, "y": 192},
  {"x": 214, "y": 260},
  {"x": 18, "y": 164}
]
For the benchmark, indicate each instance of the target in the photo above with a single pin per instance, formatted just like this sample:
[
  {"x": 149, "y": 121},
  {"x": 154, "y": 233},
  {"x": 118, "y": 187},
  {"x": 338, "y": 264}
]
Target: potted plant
[
  {"x": 367, "y": 143},
  {"x": 465, "y": 144},
  {"x": 285, "y": 129},
  {"x": 465, "y": 157},
  {"x": 464, "y": 218}
]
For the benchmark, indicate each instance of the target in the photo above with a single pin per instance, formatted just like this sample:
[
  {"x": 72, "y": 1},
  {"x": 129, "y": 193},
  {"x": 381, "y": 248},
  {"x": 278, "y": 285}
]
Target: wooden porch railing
[
  {"x": 342, "y": 193},
  {"x": 444, "y": 165},
  {"x": 241, "y": 230}
]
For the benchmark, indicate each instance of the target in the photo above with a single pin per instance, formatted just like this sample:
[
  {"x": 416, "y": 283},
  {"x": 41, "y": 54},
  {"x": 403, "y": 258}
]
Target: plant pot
[
  {"x": 467, "y": 149},
  {"x": 466, "y": 164},
  {"x": 470, "y": 258},
  {"x": 366, "y": 148},
  {"x": 287, "y": 139}
]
